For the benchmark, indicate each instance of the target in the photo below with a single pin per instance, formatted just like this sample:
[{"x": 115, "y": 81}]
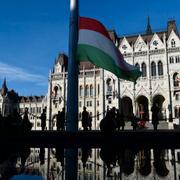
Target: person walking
[
  {"x": 134, "y": 122},
  {"x": 43, "y": 119},
  {"x": 155, "y": 120},
  {"x": 85, "y": 119},
  {"x": 108, "y": 124},
  {"x": 25, "y": 122}
]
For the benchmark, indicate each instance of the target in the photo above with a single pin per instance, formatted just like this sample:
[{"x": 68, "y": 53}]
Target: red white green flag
[{"x": 96, "y": 46}]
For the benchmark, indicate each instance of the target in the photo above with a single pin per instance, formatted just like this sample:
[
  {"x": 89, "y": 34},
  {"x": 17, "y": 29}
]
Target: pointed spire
[
  {"x": 4, "y": 89},
  {"x": 148, "y": 29}
]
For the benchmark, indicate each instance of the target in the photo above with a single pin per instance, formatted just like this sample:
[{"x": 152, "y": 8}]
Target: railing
[{"x": 95, "y": 139}]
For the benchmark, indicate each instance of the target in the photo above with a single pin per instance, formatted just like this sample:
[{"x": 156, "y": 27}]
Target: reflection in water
[
  {"x": 107, "y": 162},
  {"x": 9, "y": 161},
  {"x": 126, "y": 158}
]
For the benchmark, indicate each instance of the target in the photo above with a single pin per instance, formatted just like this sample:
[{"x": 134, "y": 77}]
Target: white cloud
[{"x": 13, "y": 73}]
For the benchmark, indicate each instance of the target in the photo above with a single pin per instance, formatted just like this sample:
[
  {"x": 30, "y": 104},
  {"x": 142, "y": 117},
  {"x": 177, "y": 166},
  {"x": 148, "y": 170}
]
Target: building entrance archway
[
  {"x": 142, "y": 107},
  {"x": 126, "y": 108},
  {"x": 159, "y": 99}
]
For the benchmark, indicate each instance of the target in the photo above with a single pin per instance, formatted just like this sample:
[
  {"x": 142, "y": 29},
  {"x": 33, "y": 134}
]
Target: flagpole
[{"x": 72, "y": 96}]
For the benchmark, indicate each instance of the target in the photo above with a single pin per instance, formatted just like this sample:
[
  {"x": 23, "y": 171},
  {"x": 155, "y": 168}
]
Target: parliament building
[{"x": 156, "y": 54}]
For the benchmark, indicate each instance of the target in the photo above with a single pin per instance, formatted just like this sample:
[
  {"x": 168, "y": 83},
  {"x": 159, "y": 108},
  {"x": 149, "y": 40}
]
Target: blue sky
[{"x": 33, "y": 32}]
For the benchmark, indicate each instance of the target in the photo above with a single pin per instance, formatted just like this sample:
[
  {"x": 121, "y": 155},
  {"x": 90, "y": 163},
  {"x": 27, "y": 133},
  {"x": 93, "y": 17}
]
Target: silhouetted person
[
  {"x": 60, "y": 155},
  {"x": 108, "y": 123},
  {"x": 86, "y": 152},
  {"x": 42, "y": 155},
  {"x": 16, "y": 117},
  {"x": 85, "y": 119},
  {"x": 134, "y": 121},
  {"x": 14, "y": 121},
  {"x": 24, "y": 154},
  {"x": 119, "y": 120},
  {"x": 43, "y": 119},
  {"x": 155, "y": 120},
  {"x": 60, "y": 119},
  {"x": 25, "y": 122},
  {"x": 109, "y": 157}
]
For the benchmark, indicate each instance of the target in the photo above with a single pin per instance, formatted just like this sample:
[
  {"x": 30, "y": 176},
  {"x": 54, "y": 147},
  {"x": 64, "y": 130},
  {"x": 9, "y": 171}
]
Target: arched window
[
  {"x": 171, "y": 59},
  {"x": 91, "y": 90},
  {"x": 176, "y": 82},
  {"x": 55, "y": 90},
  {"x": 109, "y": 86},
  {"x": 137, "y": 65},
  {"x": 87, "y": 90},
  {"x": 81, "y": 91},
  {"x": 98, "y": 89},
  {"x": 177, "y": 59},
  {"x": 173, "y": 43},
  {"x": 143, "y": 67},
  {"x": 160, "y": 68},
  {"x": 153, "y": 69}
]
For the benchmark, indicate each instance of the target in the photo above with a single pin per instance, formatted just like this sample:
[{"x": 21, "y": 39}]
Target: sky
[{"x": 34, "y": 32}]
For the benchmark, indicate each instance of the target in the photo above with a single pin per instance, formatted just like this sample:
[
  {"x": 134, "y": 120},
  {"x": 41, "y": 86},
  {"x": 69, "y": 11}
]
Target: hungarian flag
[{"x": 96, "y": 46}]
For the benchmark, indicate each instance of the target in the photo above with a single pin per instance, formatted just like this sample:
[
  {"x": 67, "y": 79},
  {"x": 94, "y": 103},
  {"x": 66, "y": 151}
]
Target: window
[
  {"x": 81, "y": 91},
  {"x": 160, "y": 68},
  {"x": 177, "y": 59},
  {"x": 176, "y": 112},
  {"x": 176, "y": 82},
  {"x": 89, "y": 103},
  {"x": 87, "y": 90},
  {"x": 97, "y": 102},
  {"x": 97, "y": 115},
  {"x": 177, "y": 97},
  {"x": 38, "y": 124},
  {"x": 143, "y": 69},
  {"x": 171, "y": 59},
  {"x": 98, "y": 89},
  {"x": 55, "y": 90},
  {"x": 137, "y": 65},
  {"x": 91, "y": 90},
  {"x": 153, "y": 69},
  {"x": 55, "y": 105},
  {"x": 109, "y": 87},
  {"x": 80, "y": 103},
  {"x": 173, "y": 43}
]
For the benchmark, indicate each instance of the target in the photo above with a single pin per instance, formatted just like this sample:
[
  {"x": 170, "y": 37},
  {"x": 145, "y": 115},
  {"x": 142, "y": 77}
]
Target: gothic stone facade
[{"x": 157, "y": 54}]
